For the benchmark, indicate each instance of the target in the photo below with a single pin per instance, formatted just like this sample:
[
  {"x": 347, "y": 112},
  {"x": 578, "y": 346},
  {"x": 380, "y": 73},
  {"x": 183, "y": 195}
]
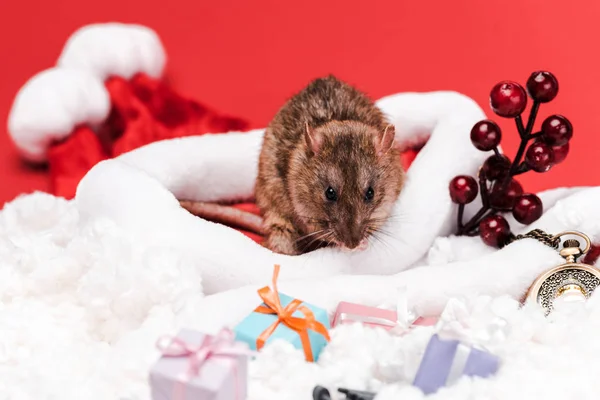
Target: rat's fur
[{"x": 328, "y": 135}]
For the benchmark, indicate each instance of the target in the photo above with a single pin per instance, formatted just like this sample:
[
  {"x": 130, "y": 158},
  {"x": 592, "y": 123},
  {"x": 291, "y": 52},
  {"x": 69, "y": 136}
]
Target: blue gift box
[
  {"x": 256, "y": 323},
  {"x": 445, "y": 361}
]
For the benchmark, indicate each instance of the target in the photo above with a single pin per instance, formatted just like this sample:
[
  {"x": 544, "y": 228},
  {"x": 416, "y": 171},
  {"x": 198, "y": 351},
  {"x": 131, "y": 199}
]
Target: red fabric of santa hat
[{"x": 105, "y": 96}]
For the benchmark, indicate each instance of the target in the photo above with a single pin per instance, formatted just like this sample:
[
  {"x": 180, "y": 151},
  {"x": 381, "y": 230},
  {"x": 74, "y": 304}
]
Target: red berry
[
  {"x": 557, "y": 130},
  {"x": 508, "y": 99},
  {"x": 463, "y": 189},
  {"x": 539, "y": 157},
  {"x": 503, "y": 197},
  {"x": 494, "y": 230},
  {"x": 542, "y": 86},
  {"x": 496, "y": 167},
  {"x": 528, "y": 209},
  {"x": 560, "y": 153},
  {"x": 486, "y": 135}
]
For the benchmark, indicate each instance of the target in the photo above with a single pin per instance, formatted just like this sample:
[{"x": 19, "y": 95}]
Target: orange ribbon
[{"x": 284, "y": 316}]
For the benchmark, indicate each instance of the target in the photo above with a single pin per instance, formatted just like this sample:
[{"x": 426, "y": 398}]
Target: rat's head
[{"x": 344, "y": 181}]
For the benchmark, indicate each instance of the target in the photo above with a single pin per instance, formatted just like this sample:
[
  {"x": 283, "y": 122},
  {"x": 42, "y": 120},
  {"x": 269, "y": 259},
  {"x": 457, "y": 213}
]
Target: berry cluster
[{"x": 500, "y": 191}]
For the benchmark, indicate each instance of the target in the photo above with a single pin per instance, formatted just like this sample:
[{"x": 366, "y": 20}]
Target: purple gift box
[
  {"x": 445, "y": 361},
  {"x": 195, "y": 366}
]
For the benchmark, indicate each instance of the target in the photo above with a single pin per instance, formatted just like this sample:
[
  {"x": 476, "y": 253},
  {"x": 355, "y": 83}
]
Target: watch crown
[{"x": 571, "y": 250}]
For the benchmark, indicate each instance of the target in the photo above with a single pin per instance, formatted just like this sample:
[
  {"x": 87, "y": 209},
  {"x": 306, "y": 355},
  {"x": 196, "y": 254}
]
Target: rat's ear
[
  {"x": 385, "y": 141},
  {"x": 313, "y": 139}
]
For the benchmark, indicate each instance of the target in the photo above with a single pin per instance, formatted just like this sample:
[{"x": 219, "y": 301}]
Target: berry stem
[
  {"x": 474, "y": 222},
  {"x": 520, "y": 126},
  {"x": 496, "y": 151},
  {"x": 535, "y": 135},
  {"x": 461, "y": 211},
  {"x": 522, "y": 169},
  {"x": 517, "y": 161},
  {"x": 485, "y": 200},
  {"x": 526, "y": 136},
  {"x": 531, "y": 119}
]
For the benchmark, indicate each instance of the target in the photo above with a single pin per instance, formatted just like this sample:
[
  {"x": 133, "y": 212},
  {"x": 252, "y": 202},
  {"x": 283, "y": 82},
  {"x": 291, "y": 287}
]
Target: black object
[
  {"x": 357, "y": 394},
  {"x": 321, "y": 393}
]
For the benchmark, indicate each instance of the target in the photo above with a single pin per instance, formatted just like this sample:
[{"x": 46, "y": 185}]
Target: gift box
[
  {"x": 445, "y": 361},
  {"x": 282, "y": 317},
  {"x": 372, "y": 316},
  {"x": 200, "y": 367}
]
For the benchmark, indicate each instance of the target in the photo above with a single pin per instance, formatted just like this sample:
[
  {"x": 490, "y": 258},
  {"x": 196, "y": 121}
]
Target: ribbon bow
[
  {"x": 457, "y": 322},
  {"x": 219, "y": 345},
  {"x": 284, "y": 316}
]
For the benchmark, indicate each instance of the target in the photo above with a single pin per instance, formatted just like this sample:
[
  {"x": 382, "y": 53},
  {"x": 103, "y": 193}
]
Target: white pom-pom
[
  {"x": 114, "y": 49},
  {"x": 50, "y": 105}
]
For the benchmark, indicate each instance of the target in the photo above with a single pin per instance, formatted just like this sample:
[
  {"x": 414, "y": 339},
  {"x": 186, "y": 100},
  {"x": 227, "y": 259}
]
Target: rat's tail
[{"x": 225, "y": 215}]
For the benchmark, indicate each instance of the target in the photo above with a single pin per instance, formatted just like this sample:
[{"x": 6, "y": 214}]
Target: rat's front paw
[{"x": 281, "y": 244}]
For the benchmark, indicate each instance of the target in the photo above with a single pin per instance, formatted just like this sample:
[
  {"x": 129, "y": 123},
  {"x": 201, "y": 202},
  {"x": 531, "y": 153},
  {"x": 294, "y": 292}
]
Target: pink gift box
[
  {"x": 372, "y": 316},
  {"x": 220, "y": 376}
]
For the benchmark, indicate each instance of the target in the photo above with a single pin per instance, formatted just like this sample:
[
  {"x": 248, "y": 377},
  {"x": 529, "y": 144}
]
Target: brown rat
[{"x": 328, "y": 172}]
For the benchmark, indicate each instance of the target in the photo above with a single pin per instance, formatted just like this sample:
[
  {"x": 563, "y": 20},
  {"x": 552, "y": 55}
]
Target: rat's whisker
[
  {"x": 386, "y": 233},
  {"x": 377, "y": 233},
  {"x": 402, "y": 216},
  {"x": 391, "y": 218},
  {"x": 384, "y": 244},
  {"x": 378, "y": 221},
  {"x": 378, "y": 229},
  {"x": 319, "y": 237},
  {"x": 310, "y": 234},
  {"x": 329, "y": 239},
  {"x": 394, "y": 238}
]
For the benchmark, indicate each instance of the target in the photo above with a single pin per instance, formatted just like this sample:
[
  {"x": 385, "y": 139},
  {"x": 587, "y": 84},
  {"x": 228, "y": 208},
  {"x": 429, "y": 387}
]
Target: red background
[{"x": 246, "y": 58}]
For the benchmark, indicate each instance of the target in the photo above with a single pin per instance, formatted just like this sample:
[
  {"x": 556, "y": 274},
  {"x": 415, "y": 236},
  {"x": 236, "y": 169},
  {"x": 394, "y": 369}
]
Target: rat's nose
[{"x": 351, "y": 235}]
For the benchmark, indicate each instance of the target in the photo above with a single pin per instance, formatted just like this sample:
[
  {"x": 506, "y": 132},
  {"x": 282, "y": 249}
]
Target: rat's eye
[
  {"x": 370, "y": 193},
  {"x": 330, "y": 194}
]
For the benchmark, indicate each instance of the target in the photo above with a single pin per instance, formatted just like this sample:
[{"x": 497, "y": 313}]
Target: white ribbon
[
  {"x": 406, "y": 316},
  {"x": 458, "y": 363}
]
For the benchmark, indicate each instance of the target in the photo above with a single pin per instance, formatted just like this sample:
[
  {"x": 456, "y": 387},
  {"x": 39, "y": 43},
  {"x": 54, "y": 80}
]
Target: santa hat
[{"x": 105, "y": 96}]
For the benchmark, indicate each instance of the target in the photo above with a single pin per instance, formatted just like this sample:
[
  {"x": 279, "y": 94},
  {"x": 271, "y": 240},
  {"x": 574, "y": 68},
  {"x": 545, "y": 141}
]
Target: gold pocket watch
[{"x": 571, "y": 281}]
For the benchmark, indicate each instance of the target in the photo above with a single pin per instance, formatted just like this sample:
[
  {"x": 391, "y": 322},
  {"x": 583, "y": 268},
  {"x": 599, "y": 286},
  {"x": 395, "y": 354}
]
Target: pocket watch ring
[{"x": 586, "y": 239}]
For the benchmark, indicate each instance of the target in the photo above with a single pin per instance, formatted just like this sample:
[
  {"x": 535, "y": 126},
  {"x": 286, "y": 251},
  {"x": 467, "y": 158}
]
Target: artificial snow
[{"x": 81, "y": 307}]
